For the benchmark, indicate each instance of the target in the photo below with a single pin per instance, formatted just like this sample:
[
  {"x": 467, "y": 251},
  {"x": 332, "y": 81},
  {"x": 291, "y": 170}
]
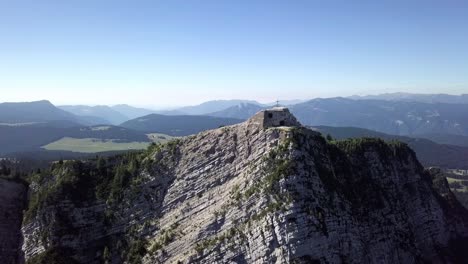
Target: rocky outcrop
[
  {"x": 12, "y": 203},
  {"x": 248, "y": 194}
]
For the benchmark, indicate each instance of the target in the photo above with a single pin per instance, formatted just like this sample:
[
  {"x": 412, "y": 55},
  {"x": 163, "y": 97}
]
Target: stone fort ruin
[{"x": 275, "y": 117}]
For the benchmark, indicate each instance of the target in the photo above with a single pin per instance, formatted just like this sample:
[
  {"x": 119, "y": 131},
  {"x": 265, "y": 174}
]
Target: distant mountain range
[
  {"x": 115, "y": 115},
  {"x": 447, "y": 139},
  {"x": 177, "y": 125},
  {"x": 422, "y": 98},
  {"x": 440, "y": 127},
  {"x": 428, "y": 152},
  {"x": 103, "y": 112},
  {"x": 107, "y": 114},
  {"x": 119, "y": 114},
  {"x": 391, "y": 117},
  {"x": 131, "y": 112},
  {"x": 36, "y": 112},
  {"x": 239, "y": 111},
  {"x": 236, "y": 108},
  {"x": 213, "y": 106},
  {"x": 387, "y": 116}
]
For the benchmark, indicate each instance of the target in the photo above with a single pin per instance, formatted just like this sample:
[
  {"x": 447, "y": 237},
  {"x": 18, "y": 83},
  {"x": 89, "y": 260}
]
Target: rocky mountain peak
[{"x": 264, "y": 191}]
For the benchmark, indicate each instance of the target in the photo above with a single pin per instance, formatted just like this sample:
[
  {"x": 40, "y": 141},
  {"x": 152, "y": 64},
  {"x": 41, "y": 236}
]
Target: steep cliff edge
[
  {"x": 246, "y": 194},
  {"x": 12, "y": 203}
]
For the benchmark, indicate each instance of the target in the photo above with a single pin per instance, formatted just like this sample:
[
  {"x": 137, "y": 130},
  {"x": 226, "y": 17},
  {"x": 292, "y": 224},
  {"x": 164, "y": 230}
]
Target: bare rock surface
[{"x": 254, "y": 194}]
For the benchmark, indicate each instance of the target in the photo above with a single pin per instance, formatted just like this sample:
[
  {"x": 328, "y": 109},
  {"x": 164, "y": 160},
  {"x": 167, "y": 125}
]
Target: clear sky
[{"x": 178, "y": 52}]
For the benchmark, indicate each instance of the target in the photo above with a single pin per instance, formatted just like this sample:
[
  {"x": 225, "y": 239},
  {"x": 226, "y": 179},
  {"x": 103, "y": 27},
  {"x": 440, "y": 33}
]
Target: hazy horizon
[{"x": 173, "y": 107}]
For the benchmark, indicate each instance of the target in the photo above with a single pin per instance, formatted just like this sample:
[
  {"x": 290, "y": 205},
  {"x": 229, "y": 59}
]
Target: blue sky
[{"x": 178, "y": 52}]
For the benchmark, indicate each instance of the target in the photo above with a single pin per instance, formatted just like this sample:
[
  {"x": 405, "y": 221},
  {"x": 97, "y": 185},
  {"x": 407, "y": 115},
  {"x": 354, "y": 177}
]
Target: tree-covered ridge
[
  {"x": 110, "y": 182},
  {"x": 385, "y": 149},
  {"x": 429, "y": 153},
  {"x": 14, "y": 171},
  {"x": 81, "y": 181},
  {"x": 352, "y": 159}
]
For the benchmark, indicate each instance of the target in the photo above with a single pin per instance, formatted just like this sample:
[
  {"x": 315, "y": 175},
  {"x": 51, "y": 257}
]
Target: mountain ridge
[
  {"x": 212, "y": 106},
  {"x": 247, "y": 193},
  {"x": 37, "y": 111},
  {"x": 413, "y": 97},
  {"x": 429, "y": 153},
  {"x": 397, "y": 118},
  {"x": 106, "y": 113},
  {"x": 177, "y": 125},
  {"x": 240, "y": 111}
]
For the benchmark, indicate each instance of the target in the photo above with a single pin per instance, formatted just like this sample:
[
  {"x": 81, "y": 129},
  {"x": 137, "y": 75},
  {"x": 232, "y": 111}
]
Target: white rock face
[
  {"x": 12, "y": 202},
  {"x": 249, "y": 194}
]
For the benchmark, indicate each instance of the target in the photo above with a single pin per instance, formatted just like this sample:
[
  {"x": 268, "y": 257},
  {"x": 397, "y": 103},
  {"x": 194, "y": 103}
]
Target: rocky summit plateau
[{"x": 264, "y": 191}]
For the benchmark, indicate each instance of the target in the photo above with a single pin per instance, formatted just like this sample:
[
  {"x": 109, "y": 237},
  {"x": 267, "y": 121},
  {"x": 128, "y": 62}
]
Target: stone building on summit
[{"x": 275, "y": 117}]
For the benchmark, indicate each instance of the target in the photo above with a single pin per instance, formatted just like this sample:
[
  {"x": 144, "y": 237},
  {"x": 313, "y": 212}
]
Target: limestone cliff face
[
  {"x": 248, "y": 194},
  {"x": 12, "y": 203}
]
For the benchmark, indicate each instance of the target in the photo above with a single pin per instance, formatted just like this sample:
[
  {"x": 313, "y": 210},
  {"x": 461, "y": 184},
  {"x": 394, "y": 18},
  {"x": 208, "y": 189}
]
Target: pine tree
[{"x": 3, "y": 170}]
